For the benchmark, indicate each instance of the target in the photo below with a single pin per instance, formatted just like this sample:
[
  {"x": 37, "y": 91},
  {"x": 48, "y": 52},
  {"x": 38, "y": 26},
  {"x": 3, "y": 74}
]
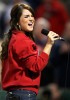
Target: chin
[{"x": 30, "y": 30}]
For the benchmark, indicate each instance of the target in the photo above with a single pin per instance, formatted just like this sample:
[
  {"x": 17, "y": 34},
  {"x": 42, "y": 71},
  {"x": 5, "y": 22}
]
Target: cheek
[{"x": 23, "y": 24}]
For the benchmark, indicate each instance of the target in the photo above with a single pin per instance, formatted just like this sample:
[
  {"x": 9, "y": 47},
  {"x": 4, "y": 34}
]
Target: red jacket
[{"x": 23, "y": 66}]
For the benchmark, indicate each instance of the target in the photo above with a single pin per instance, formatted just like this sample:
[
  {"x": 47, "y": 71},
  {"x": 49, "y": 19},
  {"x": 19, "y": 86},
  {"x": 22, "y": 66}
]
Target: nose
[{"x": 31, "y": 19}]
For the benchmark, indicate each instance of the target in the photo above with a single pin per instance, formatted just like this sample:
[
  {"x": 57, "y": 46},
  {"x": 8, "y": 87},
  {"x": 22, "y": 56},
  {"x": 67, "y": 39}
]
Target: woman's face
[{"x": 27, "y": 21}]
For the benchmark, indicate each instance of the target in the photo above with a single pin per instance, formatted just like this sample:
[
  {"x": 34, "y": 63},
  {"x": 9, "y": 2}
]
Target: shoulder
[
  {"x": 20, "y": 39},
  {"x": 18, "y": 35}
]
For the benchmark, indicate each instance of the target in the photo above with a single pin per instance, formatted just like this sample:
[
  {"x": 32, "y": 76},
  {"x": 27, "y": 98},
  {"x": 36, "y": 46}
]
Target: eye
[{"x": 26, "y": 16}]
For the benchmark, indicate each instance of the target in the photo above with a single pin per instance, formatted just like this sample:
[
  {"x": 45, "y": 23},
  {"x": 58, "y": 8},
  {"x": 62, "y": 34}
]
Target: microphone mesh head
[{"x": 44, "y": 31}]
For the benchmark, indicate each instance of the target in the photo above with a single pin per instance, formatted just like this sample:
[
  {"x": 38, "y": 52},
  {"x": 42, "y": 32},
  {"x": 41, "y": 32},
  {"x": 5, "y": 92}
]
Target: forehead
[{"x": 26, "y": 12}]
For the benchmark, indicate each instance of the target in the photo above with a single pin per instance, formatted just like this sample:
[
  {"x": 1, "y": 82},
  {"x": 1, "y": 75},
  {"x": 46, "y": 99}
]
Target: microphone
[{"x": 45, "y": 32}]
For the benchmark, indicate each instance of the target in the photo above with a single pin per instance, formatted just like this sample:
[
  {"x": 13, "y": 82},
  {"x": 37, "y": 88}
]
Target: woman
[{"x": 21, "y": 64}]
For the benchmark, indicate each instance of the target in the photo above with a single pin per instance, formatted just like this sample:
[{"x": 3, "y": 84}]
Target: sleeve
[{"x": 27, "y": 53}]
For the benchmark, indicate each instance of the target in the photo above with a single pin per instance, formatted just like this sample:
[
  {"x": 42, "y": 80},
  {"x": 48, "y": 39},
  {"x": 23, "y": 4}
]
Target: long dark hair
[{"x": 15, "y": 14}]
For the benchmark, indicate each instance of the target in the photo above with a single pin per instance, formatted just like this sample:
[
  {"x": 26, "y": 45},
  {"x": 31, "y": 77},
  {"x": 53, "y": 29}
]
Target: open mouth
[{"x": 30, "y": 24}]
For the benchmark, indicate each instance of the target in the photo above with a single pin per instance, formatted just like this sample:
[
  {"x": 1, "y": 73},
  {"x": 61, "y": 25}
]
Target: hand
[{"x": 52, "y": 36}]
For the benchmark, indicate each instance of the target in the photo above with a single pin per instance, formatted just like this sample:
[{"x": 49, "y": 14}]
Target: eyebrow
[{"x": 28, "y": 15}]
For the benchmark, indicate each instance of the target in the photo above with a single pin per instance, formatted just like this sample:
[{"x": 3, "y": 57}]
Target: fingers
[{"x": 53, "y": 36}]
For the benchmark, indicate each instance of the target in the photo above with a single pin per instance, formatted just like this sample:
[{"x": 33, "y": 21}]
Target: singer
[{"x": 21, "y": 63}]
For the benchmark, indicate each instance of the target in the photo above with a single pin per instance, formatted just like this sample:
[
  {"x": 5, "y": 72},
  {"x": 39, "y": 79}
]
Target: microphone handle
[{"x": 45, "y": 32}]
